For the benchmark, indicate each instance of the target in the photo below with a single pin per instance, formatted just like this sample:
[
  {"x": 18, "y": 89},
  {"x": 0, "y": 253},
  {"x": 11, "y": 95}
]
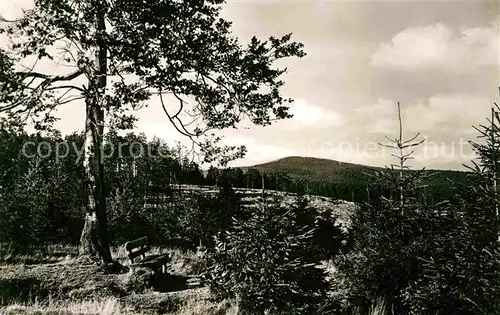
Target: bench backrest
[{"x": 136, "y": 248}]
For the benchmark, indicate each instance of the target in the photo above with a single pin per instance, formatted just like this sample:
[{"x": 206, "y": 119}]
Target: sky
[{"x": 439, "y": 59}]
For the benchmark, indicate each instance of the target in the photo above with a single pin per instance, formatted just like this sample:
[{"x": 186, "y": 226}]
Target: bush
[
  {"x": 268, "y": 262},
  {"x": 427, "y": 261},
  {"x": 425, "y": 258}
]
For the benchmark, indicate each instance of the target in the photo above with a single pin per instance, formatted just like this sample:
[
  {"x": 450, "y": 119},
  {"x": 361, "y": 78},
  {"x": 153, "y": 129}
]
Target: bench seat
[{"x": 137, "y": 255}]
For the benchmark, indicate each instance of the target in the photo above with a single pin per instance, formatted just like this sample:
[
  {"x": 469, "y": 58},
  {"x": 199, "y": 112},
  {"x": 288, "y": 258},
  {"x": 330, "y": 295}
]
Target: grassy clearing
[
  {"x": 73, "y": 286},
  {"x": 10, "y": 254},
  {"x": 195, "y": 302},
  {"x": 76, "y": 286},
  {"x": 183, "y": 262},
  {"x": 54, "y": 280},
  {"x": 109, "y": 306},
  {"x": 113, "y": 306}
]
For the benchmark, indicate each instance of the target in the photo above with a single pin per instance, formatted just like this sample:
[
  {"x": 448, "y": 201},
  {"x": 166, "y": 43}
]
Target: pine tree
[
  {"x": 382, "y": 234},
  {"x": 399, "y": 178},
  {"x": 431, "y": 258},
  {"x": 487, "y": 168}
]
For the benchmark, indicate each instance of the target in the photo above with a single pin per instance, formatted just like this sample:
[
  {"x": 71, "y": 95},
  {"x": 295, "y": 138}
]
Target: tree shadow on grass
[
  {"x": 21, "y": 290},
  {"x": 171, "y": 283}
]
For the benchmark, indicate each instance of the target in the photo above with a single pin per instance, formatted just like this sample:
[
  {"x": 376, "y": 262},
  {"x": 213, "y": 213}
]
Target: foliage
[
  {"x": 327, "y": 237},
  {"x": 123, "y": 55},
  {"x": 204, "y": 217},
  {"x": 267, "y": 262},
  {"x": 424, "y": 257},
  {"x": 196, "y": 59},
  {"x": 42, "y": 200},
  {"x": 38, "y": 195}
]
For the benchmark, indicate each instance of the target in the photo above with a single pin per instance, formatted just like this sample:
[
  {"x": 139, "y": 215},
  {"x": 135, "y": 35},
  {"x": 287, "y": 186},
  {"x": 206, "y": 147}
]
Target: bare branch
[
  {"x": 187, "y": 134},
  {"x": 51, "y": 79},
  {"x": 414, "y": 144},
  {"x": 2, "y": 19},
  {"x": 388, "y": 146},
  {"x": 69, "y": 100},
  {"x": 410, "y": 140},
  {"x": 391, "y": 140},
  {"x": 180, "y": 107},
  {"x": 400, "y": 123},
  {"x": 70, "y": 87}
]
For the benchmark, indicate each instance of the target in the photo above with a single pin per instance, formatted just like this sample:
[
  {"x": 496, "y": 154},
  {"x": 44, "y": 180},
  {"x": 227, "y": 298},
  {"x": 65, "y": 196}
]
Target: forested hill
[
  {"x": 343, "y": 180},
  {"x": 311, "y": 168}
]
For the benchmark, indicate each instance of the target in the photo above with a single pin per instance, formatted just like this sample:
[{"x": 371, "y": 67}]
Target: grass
[
  {"x": 109, "y": 306},
  {"x": 11, "y": 254},
  {"x": 378, "y": 308},
  {"x": 112, "y": 306},
  {"x": 70, "y": 288},
  {"x": 184, "y": 261},
  {"x": 49, "y": 285},
  {"x": 47, "y": 280}
]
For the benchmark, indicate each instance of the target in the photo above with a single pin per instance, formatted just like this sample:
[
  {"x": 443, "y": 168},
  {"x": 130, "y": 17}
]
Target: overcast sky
[{"x": 440, "y": 60}]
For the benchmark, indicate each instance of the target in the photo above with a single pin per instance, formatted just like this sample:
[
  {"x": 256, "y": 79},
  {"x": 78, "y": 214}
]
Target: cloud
[
  {"x": 440, "y": 47},
  {"x": 444, "y": 120},
  {"x": 435, "y": 116},
  {"x": 13, "y": 9},
  {"x": 257, "y": 150},
  {"x": 307, "y": 115},
  {"x": 486, "y": 40}
]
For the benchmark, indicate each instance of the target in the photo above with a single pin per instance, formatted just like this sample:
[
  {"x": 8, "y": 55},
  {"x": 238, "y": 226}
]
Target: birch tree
[{"x": 123, "y": 53}]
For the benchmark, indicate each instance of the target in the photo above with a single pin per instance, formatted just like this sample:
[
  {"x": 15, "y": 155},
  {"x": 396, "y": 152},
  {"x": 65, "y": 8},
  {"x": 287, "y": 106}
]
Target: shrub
[
  {"x": 268, "y": 262},
  {"x": 425, "y": 258}
]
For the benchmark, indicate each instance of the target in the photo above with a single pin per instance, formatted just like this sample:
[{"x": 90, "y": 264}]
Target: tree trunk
[{"x": 94, "y": 238}]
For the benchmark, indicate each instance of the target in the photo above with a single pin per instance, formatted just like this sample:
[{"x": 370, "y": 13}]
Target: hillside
[
  {"x": 312, "y": 168},
  {"x": 315, "y": 169},
  {"x": 252, "y": 198},
  {"x": 323, "y": 174}
]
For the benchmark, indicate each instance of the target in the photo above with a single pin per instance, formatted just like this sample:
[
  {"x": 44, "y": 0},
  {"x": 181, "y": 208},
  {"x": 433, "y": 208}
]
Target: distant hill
[
  {"x": 312, "y": 168},
  {"x": 348, "y": 176},
  {"x": 321, "y": 169}
]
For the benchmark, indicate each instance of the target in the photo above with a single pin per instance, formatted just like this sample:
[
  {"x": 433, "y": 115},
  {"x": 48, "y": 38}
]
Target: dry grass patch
[
  {"x": 109, "y": 306},
  {"x": 113, "y": 306},
  {"x": 60, "y": 281},
  {"x": 11, "y": 254}
]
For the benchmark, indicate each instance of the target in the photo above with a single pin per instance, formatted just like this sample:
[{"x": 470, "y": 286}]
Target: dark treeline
[
  {"x": 42, "y": 189},
  {"x": 357, "y": 185},
  {"x": 42, "y": 180}
]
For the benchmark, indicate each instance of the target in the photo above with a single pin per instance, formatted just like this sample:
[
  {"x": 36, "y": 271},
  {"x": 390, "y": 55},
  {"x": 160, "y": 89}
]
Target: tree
[
  {"x": 425, "y": 257},
  {"x": 486, "y": 167},
  {"x": 123, "y": 54},
  {"x": 194, "y": 175},
  {"x": 405, "y": 182},
  {"x": 268, "y": 260},
  {"x": 240, "y": 178},
  {"x": 383, "y": 235},
  {"x": 212, "y": 175},
  {"x": 254, "y": 178},
  {"x": 38, "y": 192}
]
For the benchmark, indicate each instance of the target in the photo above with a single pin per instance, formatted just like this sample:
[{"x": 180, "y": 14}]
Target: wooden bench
[{"x": 137, "y": 250}]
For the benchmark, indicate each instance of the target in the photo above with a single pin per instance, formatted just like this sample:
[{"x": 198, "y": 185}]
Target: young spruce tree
[{"x": 381, "y": 262}]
